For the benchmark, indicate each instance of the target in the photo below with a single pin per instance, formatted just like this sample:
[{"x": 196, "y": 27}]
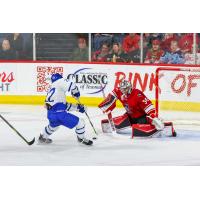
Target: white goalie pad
[{"x": 106, "y": 127}]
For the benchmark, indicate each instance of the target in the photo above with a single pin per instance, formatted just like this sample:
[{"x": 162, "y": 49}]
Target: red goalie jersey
[{"x": 136, "y": 103}]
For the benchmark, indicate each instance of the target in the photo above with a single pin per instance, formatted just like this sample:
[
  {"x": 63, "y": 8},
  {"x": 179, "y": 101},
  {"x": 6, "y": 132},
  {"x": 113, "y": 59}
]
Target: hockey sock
[
  {"x": 48, "y": 130},
  {"x": 80, "y": 128}
]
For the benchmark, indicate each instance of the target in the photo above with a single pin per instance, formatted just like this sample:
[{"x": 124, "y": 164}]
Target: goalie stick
[
  {"x": 109, "y": 115},
  {"x": 27, "y": 142}
]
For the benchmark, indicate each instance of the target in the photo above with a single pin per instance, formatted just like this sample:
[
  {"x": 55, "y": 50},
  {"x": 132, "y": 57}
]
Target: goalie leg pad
[
  {"x": 121, "y": 123},
  {"x": 169, "y": 129},
  {"x": 143, "y": 130},
  {"x": 123, "y": 126},
  {"x": 147, "y": 130},
  {"x": 105, "y": 125}
]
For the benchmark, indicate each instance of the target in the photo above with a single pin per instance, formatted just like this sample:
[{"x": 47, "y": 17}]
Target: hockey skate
[
  {"x": 84, "y": 141},
  {"x": 43, "y": 140}
]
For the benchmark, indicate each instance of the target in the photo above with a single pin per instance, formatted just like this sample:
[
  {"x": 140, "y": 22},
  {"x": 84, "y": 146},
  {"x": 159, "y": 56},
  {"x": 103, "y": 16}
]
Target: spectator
[
  {"x": 101, "y": 55},
  {"x": 130, "y": 42},
  {"x": 118, "y": 37},
  {"x": 6, "y": 53},
  {"x": 154, "y": 54},
  {"x": 99, "y": 39},
  {"x": 117, "y": 55},
  {"x": 80, "y": 53},
  {"x": 186, "y": 42},
  {"x": 166, "y": 41},
  {"x": 189, "y": 56},
  {"x": 174, "y": 56},
  {"x": 16, "y": 42},
  {"x": 136, "y": 54},
  {"x": 149, "y": 37}
]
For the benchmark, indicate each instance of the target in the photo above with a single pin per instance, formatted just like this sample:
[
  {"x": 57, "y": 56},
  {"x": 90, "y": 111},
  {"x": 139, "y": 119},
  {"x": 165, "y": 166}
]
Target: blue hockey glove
[
  {"x": 81, "y": 108},
  {"x": 75, "y": 93}
]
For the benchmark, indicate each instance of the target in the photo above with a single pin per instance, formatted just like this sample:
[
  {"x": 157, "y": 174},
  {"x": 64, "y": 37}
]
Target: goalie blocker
[{"x": 123, "y": 126}]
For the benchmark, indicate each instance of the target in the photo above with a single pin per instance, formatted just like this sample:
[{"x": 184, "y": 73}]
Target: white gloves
[{"x": 158, "y": 123}]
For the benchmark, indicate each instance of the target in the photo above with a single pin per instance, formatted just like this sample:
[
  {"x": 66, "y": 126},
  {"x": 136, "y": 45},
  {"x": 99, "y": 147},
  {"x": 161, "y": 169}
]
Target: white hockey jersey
[{"x": 58, "y": 90}]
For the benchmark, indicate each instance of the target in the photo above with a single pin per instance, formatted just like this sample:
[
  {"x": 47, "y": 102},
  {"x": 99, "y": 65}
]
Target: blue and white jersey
[{"x": 56, "y": 96}]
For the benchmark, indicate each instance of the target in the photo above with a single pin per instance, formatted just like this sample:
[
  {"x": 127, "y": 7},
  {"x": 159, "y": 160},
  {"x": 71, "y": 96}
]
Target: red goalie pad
[
  {"x": 143, "y": 130},
  {"x": 123, "y": 126},
  {"x": 121, "y": 123},
  {"x": 146, "y": 130}
]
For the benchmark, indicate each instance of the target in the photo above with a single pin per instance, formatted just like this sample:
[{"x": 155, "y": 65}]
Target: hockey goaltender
[{"x": 140, "y": 118}]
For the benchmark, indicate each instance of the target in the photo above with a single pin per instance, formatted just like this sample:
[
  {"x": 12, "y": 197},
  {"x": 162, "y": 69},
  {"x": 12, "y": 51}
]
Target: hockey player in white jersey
[{"x": 58, "y": 110}]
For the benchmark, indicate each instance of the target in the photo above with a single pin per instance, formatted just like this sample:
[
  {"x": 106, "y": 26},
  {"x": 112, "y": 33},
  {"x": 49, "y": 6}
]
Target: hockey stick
[
  {"x": 89, "y": 120},
  {"x": 109, "y": 115},
  {"x": 27, "y": 142}
]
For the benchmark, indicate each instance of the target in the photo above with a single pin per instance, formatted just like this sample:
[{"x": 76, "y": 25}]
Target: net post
[{"x": 157, "y": 91}]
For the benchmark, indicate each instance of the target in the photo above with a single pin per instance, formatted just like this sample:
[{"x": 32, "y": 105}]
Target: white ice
[{"x": 107, "y": 150}]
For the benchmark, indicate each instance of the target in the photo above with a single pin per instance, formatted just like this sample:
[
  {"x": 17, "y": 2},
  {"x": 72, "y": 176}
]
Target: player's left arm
[
  {"x": 70, "y": 86},
  {"x": 76, "y": 107},
  {"x": 150, "y": 110},
  {"x": 73, "y": 88}
]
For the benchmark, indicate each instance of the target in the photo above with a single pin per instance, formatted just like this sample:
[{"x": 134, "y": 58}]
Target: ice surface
[{"x": 107, "y": 150}]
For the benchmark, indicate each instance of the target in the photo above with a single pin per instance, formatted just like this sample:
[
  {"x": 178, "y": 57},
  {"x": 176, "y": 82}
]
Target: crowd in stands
[
  {"x": 13, "y": 47},
  {"x": 168, "y": 48},
  {"x": 81, "y": 53},
  {"x": 165, "y": 48}
]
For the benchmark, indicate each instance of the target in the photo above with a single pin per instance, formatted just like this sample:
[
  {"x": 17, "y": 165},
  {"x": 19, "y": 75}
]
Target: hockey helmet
[
  {"x": 125, "y": 86},
  {"x": 55, "y": 77}
]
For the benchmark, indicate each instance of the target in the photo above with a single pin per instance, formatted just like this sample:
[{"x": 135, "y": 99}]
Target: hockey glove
[
  {"x": 75, "y": 93},
  {"x": 158, "y": 123},
  {"x": 81, "y": 108}
]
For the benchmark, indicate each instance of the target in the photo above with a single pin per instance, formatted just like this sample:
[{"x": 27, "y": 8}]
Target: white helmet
[{"x": 125, "y": 86}]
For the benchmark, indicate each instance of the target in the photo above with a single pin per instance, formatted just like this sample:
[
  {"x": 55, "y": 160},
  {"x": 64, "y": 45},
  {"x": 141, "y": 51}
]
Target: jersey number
[{"x": 50, "y": 94}]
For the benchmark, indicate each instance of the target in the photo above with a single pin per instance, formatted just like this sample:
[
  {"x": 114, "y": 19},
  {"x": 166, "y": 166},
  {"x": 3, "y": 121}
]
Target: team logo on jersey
[
  {"x": 90, "y": 81},
  {"x": 145, "y": 100}
]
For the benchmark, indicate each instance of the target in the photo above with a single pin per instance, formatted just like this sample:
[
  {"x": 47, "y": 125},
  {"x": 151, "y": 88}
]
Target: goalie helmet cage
[{"x": 177, "y": 95}]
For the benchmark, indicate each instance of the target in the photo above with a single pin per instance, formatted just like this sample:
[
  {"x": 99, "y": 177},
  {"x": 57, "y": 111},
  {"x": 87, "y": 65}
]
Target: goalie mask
[{"x": 125, "y": 87}]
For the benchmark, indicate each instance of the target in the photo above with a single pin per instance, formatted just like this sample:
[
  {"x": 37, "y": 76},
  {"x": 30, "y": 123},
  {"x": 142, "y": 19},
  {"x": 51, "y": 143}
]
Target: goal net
[{"x": 178, "y": 94}]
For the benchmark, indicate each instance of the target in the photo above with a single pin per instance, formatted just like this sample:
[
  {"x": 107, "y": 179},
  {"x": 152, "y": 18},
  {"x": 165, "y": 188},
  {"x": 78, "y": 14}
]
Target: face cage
[{"x": 126, "y": 90}]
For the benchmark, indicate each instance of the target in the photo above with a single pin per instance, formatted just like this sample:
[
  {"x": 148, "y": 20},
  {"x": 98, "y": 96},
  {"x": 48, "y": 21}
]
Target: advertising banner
[{"x": 34, "y": 78}]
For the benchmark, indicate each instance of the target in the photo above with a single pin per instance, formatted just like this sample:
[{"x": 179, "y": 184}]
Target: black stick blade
[{"x": 31, "y": 142}]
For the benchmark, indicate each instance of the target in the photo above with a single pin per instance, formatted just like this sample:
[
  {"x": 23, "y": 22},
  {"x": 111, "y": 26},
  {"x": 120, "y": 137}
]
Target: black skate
[
  {"x": 85, "y": 141},
  {"x": 42, "y": 140}
]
